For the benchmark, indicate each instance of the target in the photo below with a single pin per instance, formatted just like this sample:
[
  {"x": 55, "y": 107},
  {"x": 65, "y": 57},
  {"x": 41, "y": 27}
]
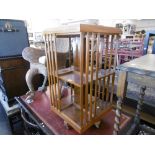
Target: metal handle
[{"x": 26, "y": 121}]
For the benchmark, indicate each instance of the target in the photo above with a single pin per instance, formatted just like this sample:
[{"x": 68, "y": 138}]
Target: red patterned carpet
[{"x": 41, "y": 109}]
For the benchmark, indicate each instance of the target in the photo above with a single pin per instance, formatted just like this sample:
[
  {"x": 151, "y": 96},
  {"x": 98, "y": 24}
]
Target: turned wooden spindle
[
  {"x": 118, "y": 116},
  {"x": 140, "y": 104}
]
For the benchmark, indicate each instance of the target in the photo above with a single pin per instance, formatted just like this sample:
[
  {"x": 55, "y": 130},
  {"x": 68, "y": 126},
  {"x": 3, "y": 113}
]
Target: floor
[
  {"x": 4, "y": 123},
  {"x": 133, "y": 91}
]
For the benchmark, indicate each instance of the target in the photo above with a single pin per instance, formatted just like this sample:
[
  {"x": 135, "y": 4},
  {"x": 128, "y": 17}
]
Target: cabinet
[{"x": 13, "y": 72}]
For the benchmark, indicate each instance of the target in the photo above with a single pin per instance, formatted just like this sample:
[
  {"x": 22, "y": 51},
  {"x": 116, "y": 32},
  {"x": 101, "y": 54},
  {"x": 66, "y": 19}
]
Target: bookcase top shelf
[
  {"x": 78, "y": 28},
  {"x": 72, "y": 76}
]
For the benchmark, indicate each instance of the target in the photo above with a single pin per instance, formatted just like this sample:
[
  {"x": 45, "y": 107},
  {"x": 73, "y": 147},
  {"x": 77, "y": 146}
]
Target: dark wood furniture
[
  {"x": 50, "y": 123},
  {"x": 140, "y": 71},
  {"x": 13, "y": 72}
]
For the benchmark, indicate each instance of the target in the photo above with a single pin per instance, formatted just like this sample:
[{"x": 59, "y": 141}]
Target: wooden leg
[
  {"x": 140, "y": 104},
  {"x": 121, "y": 91},
  {"x": 136, "y": 125},
  {"x": 117, "y": 116}
]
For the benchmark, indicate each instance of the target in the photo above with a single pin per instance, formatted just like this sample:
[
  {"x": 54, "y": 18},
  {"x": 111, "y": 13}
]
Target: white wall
[
  {"x": 145, "y": 24},
  {"x": 41, "y": 24}
]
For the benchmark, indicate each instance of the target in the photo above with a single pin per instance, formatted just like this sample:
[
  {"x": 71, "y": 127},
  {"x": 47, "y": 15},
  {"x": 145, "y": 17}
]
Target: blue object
[
  {"x": 146, "y": 41},
  {"x": 13, "y": 37}
]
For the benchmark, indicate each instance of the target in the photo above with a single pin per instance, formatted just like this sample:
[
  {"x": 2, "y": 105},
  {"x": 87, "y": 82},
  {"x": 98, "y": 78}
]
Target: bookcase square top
[{"x": 78, "y": 28}]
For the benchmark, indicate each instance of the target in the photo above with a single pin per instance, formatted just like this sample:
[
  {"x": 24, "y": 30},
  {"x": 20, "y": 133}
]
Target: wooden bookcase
[{"x": 82, "y": 93}]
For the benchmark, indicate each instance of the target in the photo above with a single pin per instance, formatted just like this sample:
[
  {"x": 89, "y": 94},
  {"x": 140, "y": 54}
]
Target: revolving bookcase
[{"x": 82, "y": 92}]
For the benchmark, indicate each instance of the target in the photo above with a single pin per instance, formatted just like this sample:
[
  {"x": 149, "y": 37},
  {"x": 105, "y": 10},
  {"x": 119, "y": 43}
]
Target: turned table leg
[
  {"x": 140, "y": 104},
  {"x": 136, "y": 123},
  {"x": 117, "y": 116},
  {"x": 121, "y": 91}
]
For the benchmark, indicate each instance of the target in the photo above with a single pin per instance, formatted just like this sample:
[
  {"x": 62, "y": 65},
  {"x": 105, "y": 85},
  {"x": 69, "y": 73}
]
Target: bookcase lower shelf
[{"x": 41, "y": 111}]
